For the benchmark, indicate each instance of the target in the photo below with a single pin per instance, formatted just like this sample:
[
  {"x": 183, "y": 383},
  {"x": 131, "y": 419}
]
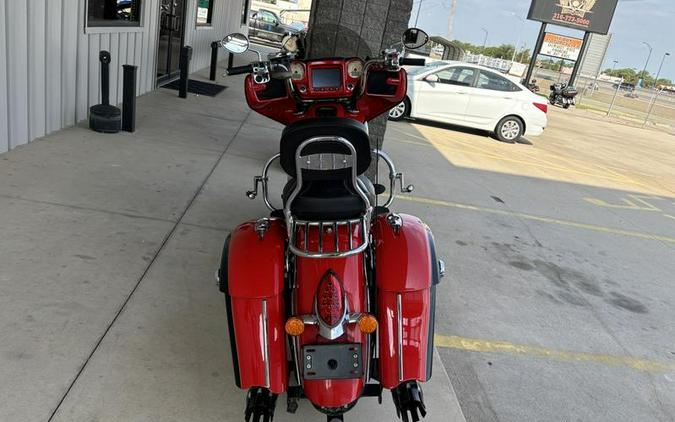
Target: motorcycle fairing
[
  {"x": 255, "y": 295},
  {"x": 406, "y": 278},
  {"x": 276, "y": 102}
]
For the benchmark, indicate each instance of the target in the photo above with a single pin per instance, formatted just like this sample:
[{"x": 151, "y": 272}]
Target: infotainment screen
[{"x": 326, "y": 78}]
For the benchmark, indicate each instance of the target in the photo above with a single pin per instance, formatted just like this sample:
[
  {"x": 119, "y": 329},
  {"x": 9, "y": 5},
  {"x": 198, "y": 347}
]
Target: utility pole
[
  {"x": 451, "y": 18},
  {"x": 485, "y": 39},
  {"x": 644, "y": 71},
  {"x": 658, "y": 74},
  {"x": 419, "y": 9},
  {"x": 520, "y": 35}
]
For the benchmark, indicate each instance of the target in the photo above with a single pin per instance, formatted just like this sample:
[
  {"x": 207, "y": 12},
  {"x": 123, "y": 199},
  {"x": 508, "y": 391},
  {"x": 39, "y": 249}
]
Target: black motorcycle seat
[
  {"x": 327, "y": 200},
  {"x": 297, "y": 133}
]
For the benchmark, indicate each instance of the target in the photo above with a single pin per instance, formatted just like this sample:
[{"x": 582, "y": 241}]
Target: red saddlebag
[
  {"x": 254, "y": 288},
  {"x": 407, "y": 274}
]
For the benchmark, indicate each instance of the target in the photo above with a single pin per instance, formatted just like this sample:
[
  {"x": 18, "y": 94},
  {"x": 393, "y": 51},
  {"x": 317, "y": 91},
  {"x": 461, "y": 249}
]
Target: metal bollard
[
  {"x": 185, "y": 57},
  {"x": 129, "y": 98},
  {"x": 214, "y": 59}
]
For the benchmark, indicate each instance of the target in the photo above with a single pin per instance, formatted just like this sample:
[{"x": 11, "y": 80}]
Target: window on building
[
  {"x": 204, "y": 12},
  {"x": 494, "y": 82},
  {"x": 113, "y": 13},
  {"x": 244, "y": 12}
]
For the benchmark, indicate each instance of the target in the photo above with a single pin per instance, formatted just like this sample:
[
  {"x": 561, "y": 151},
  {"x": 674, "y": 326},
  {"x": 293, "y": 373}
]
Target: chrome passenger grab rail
[
  {"x": 393, "y": 177},
  {"x": 263, "y": 180}
]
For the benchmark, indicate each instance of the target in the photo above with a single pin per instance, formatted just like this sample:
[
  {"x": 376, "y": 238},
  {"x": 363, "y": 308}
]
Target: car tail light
[
  {"x": 541, "y": 106},
  {"x": 330, "y": 300}
]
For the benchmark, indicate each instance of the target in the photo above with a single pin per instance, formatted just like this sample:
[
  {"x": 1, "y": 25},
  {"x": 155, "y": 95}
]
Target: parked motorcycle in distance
[
  {"x": 563, "y": 95},
  {"x": 332, "y": 296}
]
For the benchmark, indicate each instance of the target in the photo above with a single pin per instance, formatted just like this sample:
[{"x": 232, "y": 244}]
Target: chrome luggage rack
[
  {"x": 323, "y": 249},
  {"x": 327, "y": 161}
]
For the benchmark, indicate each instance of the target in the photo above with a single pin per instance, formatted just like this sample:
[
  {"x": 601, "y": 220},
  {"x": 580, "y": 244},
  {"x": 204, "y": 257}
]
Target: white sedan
[{"x": 473, "y": 96}]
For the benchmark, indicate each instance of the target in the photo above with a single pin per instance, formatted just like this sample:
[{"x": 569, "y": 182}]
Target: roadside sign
[
  {"x": 586, "y": 15},
  {"x": 562, "y": 47}
]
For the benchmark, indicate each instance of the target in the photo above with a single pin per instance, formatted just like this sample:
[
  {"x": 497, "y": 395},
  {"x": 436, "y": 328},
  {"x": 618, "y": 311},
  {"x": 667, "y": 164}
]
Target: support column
[{"x": 357, "y": 28}]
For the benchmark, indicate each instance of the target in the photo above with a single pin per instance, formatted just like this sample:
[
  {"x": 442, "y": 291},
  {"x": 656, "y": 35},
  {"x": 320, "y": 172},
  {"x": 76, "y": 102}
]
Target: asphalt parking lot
[{"x": 559, "y": 301}]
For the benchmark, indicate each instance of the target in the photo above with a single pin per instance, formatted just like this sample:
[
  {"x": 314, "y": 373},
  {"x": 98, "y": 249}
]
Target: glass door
[{"x": 171, "y": 37}]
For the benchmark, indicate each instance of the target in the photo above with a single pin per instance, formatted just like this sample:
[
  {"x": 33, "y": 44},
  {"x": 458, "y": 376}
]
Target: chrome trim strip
[
  {"x": 295, "y": 342},
  {"x": 399, "y": 321},
  {"x": 266, "y": 351}
]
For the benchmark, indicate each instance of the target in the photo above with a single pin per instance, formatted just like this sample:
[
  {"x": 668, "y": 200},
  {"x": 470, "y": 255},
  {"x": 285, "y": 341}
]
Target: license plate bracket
[{"x": 332, "y": 361}]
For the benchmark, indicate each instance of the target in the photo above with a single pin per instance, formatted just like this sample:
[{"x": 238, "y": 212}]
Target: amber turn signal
[
  {"x": 367, "y": 324},
  {"x": 294, "y": 326}
]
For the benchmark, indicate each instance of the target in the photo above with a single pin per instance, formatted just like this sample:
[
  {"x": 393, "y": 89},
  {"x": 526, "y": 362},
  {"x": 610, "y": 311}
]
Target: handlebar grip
[
  {"x": 239, "y": 70},
  {"x": 412, "y": 62}
]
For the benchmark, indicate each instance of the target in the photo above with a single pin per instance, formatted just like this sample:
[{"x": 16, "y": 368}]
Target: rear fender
[
  {"x": 254, "y": 289},
  {"x": 406, "y": 275}
]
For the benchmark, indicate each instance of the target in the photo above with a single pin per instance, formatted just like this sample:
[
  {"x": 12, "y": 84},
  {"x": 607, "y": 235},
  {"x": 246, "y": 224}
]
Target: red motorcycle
[{"x": 332, "y": 297}]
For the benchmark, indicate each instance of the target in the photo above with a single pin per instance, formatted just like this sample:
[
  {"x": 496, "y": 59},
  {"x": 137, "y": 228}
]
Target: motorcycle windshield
[{"x": 323, "y": 43}]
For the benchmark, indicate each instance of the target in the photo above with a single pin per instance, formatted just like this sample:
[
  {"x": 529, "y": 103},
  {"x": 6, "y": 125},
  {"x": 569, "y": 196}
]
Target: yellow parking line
[
  {"x": 486, "y": 346},
  {"x": 591, "y": 227}
]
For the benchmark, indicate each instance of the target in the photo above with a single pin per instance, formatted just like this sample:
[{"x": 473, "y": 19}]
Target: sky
[{"x": 635, "y": 21}]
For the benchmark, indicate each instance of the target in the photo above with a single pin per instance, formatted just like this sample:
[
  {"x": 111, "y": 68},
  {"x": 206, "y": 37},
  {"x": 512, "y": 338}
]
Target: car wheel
[
  {"x": 509, "y": 129},
  {"x": 400, "y": 111}
]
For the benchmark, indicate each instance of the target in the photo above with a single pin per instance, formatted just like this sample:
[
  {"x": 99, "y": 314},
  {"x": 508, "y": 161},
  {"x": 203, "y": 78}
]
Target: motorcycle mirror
[
  {"x": 414, "y": 38},
  {"x": 235, "y": 43}
]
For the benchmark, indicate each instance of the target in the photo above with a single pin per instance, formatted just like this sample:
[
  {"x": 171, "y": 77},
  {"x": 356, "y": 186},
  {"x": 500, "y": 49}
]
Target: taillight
[
  {"x": 541, "y": 106},
  {"x": 330, "y": 303}
]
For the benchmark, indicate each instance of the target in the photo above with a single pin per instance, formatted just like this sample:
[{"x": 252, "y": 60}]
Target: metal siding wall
[
  {"x": 37, "y": 12},
  {"x": 82, "y": 81},
  {"x": 4, "y": 132},
  {"x": 53, "y": 47},
  {"x": 17, "y": 71},
  {"x": 70, "y": 64},
  {"x": 49, "y": 67}
]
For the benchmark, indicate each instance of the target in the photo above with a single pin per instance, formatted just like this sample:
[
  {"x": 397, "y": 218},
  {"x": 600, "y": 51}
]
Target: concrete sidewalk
[{"x": 108, "y": 245}]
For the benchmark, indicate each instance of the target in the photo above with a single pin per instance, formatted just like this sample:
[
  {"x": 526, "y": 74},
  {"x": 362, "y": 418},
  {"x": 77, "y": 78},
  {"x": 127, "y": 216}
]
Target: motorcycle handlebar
[
  {"x": 239, "y": 70},
  {"x": 412, "y": 62}
]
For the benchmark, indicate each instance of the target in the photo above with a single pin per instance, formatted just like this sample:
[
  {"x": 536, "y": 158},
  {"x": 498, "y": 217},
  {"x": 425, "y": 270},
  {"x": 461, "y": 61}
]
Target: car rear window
[{"x": 494, "y": 82}]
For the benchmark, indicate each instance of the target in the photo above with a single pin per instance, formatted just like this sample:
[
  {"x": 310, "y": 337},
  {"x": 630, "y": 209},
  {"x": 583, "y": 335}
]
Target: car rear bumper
[{"x": 534, "y": 130}]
